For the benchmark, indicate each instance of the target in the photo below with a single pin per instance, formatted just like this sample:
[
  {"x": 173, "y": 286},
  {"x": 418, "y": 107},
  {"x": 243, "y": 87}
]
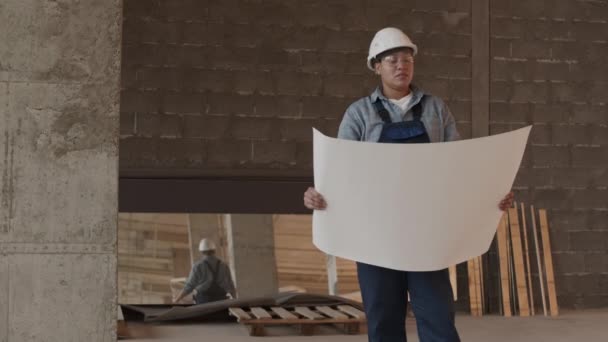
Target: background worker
[{"x": 209, "y": 278}]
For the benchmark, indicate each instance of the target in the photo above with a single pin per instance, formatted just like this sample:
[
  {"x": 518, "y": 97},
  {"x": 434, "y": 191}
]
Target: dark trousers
[
  {"x": 384, "y": 293},
  {"x": 203, "y": 298}
]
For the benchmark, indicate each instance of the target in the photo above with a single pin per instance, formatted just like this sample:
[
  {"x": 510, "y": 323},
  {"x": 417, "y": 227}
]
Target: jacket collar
[{"x": 417, "y": 94}]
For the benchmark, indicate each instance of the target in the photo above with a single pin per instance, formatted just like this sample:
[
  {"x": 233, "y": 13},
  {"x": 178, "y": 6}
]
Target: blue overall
[
  {"x": 384, "y": 290},
  {"x": 215, "y": 292}
]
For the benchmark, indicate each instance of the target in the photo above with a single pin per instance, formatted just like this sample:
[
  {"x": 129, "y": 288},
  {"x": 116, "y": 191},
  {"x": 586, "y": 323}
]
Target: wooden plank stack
[
  {"x": 305, "y": 318},
  {"x": 516, "y": 289},
  {"x": 152, "y": 249},
  {"x": 300, "y": 263}
]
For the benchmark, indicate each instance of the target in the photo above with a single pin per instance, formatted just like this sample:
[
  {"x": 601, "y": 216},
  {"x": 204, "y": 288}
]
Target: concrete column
[
  {"x": 205, "y": 226},
  {"x": 251, "y": 254},
  {"x": 59, "y": 117}
]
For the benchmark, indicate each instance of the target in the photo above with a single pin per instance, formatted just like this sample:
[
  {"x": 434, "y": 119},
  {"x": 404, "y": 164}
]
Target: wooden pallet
[{"x": 304, "y": 318}]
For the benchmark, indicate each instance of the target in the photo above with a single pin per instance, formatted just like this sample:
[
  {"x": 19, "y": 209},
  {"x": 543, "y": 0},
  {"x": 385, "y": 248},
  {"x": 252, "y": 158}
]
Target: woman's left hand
[{"x": 506, "y": 202}]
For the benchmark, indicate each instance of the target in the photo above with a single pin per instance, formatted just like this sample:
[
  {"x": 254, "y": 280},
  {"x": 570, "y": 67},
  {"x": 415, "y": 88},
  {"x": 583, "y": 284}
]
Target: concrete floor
[{"x": 585, "y": 326}]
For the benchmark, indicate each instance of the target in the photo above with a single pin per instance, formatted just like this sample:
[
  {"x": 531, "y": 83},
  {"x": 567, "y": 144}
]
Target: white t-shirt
[{"x": 403, "y": 102}]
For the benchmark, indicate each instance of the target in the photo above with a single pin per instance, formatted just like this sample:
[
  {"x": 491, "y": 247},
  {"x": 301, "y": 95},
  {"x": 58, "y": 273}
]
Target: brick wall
[
  {"x": 230, "y": 87},
  {"x": 234, "y": 87},
  {"x": 548, "y": 68}
]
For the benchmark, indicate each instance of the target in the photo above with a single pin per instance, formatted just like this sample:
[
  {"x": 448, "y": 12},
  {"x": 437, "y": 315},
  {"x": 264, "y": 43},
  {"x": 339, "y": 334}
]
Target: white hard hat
[
  {"x": 206, "y": 245},
  {"x": 387, "y": 39}
]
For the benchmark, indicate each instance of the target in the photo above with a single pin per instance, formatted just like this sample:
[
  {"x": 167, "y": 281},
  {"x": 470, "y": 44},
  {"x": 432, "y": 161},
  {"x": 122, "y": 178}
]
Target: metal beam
[{"x": 213, "y": 195}]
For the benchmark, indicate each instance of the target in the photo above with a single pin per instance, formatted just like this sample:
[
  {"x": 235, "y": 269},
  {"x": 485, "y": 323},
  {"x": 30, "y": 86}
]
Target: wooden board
[
  {"x": 527, "y": 253},
  {"x": 332, "y": 275},
  {"x": 518, "y": 258},
  {"x": 454, "y": 281},
  {"x": 356, "y": 313},
  {"x": 240, "y": 314},
  {"x": 152, "y": 222},
  {"x": 540, "y": 267},
  {"x": 260, "y": 313},
  {"x": 501, "y": 237},
  {"x": 480, "y": 288},
  {"x": 511, "y": 270},
  {"x": 544, "y": 230},
  {"x": 473, "y": 287},
  {"x": 306, "y": 312},
  {"x": 283, "y": 313},
  {"x": 471, "y": 282},
  {"x": 477, "y": 286},
  {"x": 329, "y": 312}
]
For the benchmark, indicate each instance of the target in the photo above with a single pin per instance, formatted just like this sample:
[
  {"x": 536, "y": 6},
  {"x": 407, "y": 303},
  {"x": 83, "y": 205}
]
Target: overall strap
[
  {"x": 417, "y": 109},
  {"x": 384, "y": 115}
]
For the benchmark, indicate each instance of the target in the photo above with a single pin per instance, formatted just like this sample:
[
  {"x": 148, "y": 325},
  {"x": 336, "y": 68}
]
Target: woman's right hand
[{"x": 314, "y": 200}]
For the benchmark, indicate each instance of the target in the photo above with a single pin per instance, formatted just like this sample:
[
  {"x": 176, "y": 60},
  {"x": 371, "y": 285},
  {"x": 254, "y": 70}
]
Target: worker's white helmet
[
  {"x": 387, "y": 39},
  {"x": 206, "y": 245}
]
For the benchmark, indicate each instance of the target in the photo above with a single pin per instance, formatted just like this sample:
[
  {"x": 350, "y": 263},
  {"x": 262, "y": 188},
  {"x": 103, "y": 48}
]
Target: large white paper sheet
[{"x": 412, "y": 207}]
